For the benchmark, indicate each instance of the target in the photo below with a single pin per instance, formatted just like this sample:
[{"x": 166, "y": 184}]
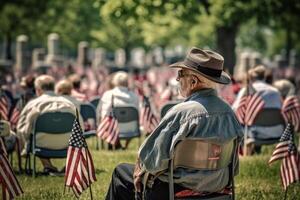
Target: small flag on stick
[
  {"x": 80, "y": 171},
  {"x": 250, "y": 105},
  {"x": 10, "y": 185},
  {"x": 291, "y": 111},
  {"x": 4, "y": 108},
  {"x": 148, "y": 119},
  {"x": 286, "y": 150},
  {"x": 108, "y": 129}
]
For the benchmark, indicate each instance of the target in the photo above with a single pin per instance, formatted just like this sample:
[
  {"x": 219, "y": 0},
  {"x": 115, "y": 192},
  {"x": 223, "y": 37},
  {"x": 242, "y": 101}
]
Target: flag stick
[
  {"x": 246, "y": 126},
  {"x": 285, "y": 194},
  {"x": 87, "y": 162}
]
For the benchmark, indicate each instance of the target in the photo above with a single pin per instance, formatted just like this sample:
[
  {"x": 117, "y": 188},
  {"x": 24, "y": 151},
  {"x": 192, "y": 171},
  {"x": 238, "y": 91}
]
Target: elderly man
[
  {"x": 46, "y": 101},
  {"x": 202, "y": 115},
  {"x": 271, "y": 98}
]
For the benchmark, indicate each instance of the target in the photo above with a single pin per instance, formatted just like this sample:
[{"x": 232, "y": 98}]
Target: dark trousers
[{"x": 122, "y": 188}]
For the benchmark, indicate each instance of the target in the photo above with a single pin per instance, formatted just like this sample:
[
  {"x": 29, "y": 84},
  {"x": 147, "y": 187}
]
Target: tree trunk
[
  {"x": 7, "y": 47},
  {"x": 226, "y": 46}
]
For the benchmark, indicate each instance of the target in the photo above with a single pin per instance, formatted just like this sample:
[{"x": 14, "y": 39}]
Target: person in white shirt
[
  {"x": 122, "y": 96},
  {"x": 271, "y": 98}
]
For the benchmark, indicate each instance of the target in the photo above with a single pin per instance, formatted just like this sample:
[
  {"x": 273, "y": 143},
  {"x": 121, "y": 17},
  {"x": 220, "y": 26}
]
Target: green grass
[{"x": 256, "y": 180}]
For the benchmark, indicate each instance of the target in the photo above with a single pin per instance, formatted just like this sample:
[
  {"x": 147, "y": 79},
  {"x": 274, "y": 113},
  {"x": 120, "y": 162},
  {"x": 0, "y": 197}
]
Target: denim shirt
[{"x": 202, "y": 115}]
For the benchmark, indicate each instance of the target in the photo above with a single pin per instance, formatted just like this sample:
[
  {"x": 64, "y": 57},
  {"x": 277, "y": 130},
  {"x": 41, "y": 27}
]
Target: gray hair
[
  {"x": 257, "y": 73},
  {"x": 285, "y": 87},
  {"x": 64, "y": 87},
  {"x": 44, "y": 82},
  {"x": 205, "y": 82},
  {"x": 120, "y": 79}
]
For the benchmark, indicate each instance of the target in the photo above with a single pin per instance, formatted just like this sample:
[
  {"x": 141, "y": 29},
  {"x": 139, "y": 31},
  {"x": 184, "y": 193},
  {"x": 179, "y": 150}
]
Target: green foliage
[{"x": 261, "y": 25}]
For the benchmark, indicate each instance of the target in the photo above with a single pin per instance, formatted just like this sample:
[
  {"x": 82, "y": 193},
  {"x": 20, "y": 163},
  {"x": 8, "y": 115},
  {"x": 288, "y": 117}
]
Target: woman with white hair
[{"x": 122, "y": 96}]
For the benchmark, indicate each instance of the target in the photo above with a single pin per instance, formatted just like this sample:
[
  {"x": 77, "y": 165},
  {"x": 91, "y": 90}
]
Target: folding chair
[
  {"x": 88, "y": 112},
  {"x": 164, "y": 109},
  {"x": 128, "y": 121},
  {"x": 190, "y": 154},
  {"x": 268, "y": 117},
  {"x": 52, "y": 126}
]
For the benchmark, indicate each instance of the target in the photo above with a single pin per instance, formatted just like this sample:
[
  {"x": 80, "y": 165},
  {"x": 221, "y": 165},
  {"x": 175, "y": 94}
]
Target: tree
[{"x": 17, "y": 16}]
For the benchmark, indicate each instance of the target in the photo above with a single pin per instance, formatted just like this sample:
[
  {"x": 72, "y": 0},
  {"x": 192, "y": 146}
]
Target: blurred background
[{"x": 142, "y": 33}]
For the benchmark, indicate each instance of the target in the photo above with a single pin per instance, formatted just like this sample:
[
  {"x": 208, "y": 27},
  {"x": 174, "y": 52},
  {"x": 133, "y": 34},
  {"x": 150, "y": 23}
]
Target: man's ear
[{"x": 194, "y": 83}]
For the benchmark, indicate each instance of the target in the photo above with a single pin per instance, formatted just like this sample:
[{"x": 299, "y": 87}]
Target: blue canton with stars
[
  {"x": 289, "y": 136},
  {"x": 77, "y": 139}
]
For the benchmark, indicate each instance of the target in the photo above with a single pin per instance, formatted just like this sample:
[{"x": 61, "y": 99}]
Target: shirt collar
[{"x": 203, "y": 92}]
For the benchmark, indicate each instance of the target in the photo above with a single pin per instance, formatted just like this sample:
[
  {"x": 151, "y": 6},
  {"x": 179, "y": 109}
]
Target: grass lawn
[{"x": 256, "y": 179}]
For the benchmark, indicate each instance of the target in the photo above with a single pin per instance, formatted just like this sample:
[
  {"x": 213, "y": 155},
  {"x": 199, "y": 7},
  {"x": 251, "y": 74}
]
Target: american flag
[
  {"x": 286, "y": 150},
  {"x": 148, "y": 119},
  {"x": 108, "y": 129},
  {"x": 14, "y": 118},
  {"x": 80, "y": 171},
  {"x": 10, "y": 185},
  {"x": 250, "y": 105},
  {"x": 4, "y": 107},
  {"x": 291, "y": 111}
]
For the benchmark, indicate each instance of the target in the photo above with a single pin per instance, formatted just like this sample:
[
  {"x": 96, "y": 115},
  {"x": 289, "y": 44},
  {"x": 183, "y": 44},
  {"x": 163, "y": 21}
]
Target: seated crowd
[{"x": 201, "y": 114}]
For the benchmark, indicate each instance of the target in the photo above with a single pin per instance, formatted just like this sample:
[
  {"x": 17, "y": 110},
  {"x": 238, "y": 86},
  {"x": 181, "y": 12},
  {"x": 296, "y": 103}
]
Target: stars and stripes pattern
[
  {"x": 291, "y": 111},
  {"x": 108, "y": 129},
  {"x": 281, "y": 149},
  {"x": 4, "y": 108},
  {"x": 80, "y": 171},
  {"x": 15, "y": 115},
  {"x": 147, "y": 118},
  {"x": 286, "y": 150},
  {"x": 249, "y": 107},
  {"x": 10, "y": 185}
]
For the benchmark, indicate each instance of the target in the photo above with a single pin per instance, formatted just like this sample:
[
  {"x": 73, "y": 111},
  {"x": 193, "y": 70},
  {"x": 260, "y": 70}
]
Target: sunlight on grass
[{"x": 256, "y": 180}]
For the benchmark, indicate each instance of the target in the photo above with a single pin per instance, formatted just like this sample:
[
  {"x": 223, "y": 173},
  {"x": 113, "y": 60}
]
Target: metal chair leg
[
  {"x": 34, "y": 166},
  {"x": 97, "y": 143},
  {"x": 18, "y": 151}
]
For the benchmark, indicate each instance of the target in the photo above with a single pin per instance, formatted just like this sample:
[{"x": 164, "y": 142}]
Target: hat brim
[{"x": 223, "y": 79}]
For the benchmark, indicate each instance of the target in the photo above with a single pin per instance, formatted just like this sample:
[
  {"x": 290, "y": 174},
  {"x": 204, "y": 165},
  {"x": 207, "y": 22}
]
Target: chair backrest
[
  {"x": 164, "y": 109},
  {"x": 87, "y": 111},
  {"x": 52, "y": 130},
  {"x": 213, "y": 156},
  {"x": 95, "y": 101},
  {"x": 269, "y": 117},
  {"x": 128, "y": 121},
  {"x": 201, "y": 154}
]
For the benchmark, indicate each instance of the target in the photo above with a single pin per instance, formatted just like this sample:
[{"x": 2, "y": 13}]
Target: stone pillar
[
  {"x": 120, "y": 58},
  {"x": 138, "y": 57},
  {"x": 22, "y": 62},
  {"x": 53, "y": 48},
  {"x": 99, "y": 58},
  {"x": 243, "y": 65},
  {"x": 279, "y": 61},
  {"x": 82, "y": 56},
  {"x": 158, "y": 56},
  {"x": 255, "y": 59},
  {"x": 38, "y": 57},
  {"x": 294, "y": 59}
]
